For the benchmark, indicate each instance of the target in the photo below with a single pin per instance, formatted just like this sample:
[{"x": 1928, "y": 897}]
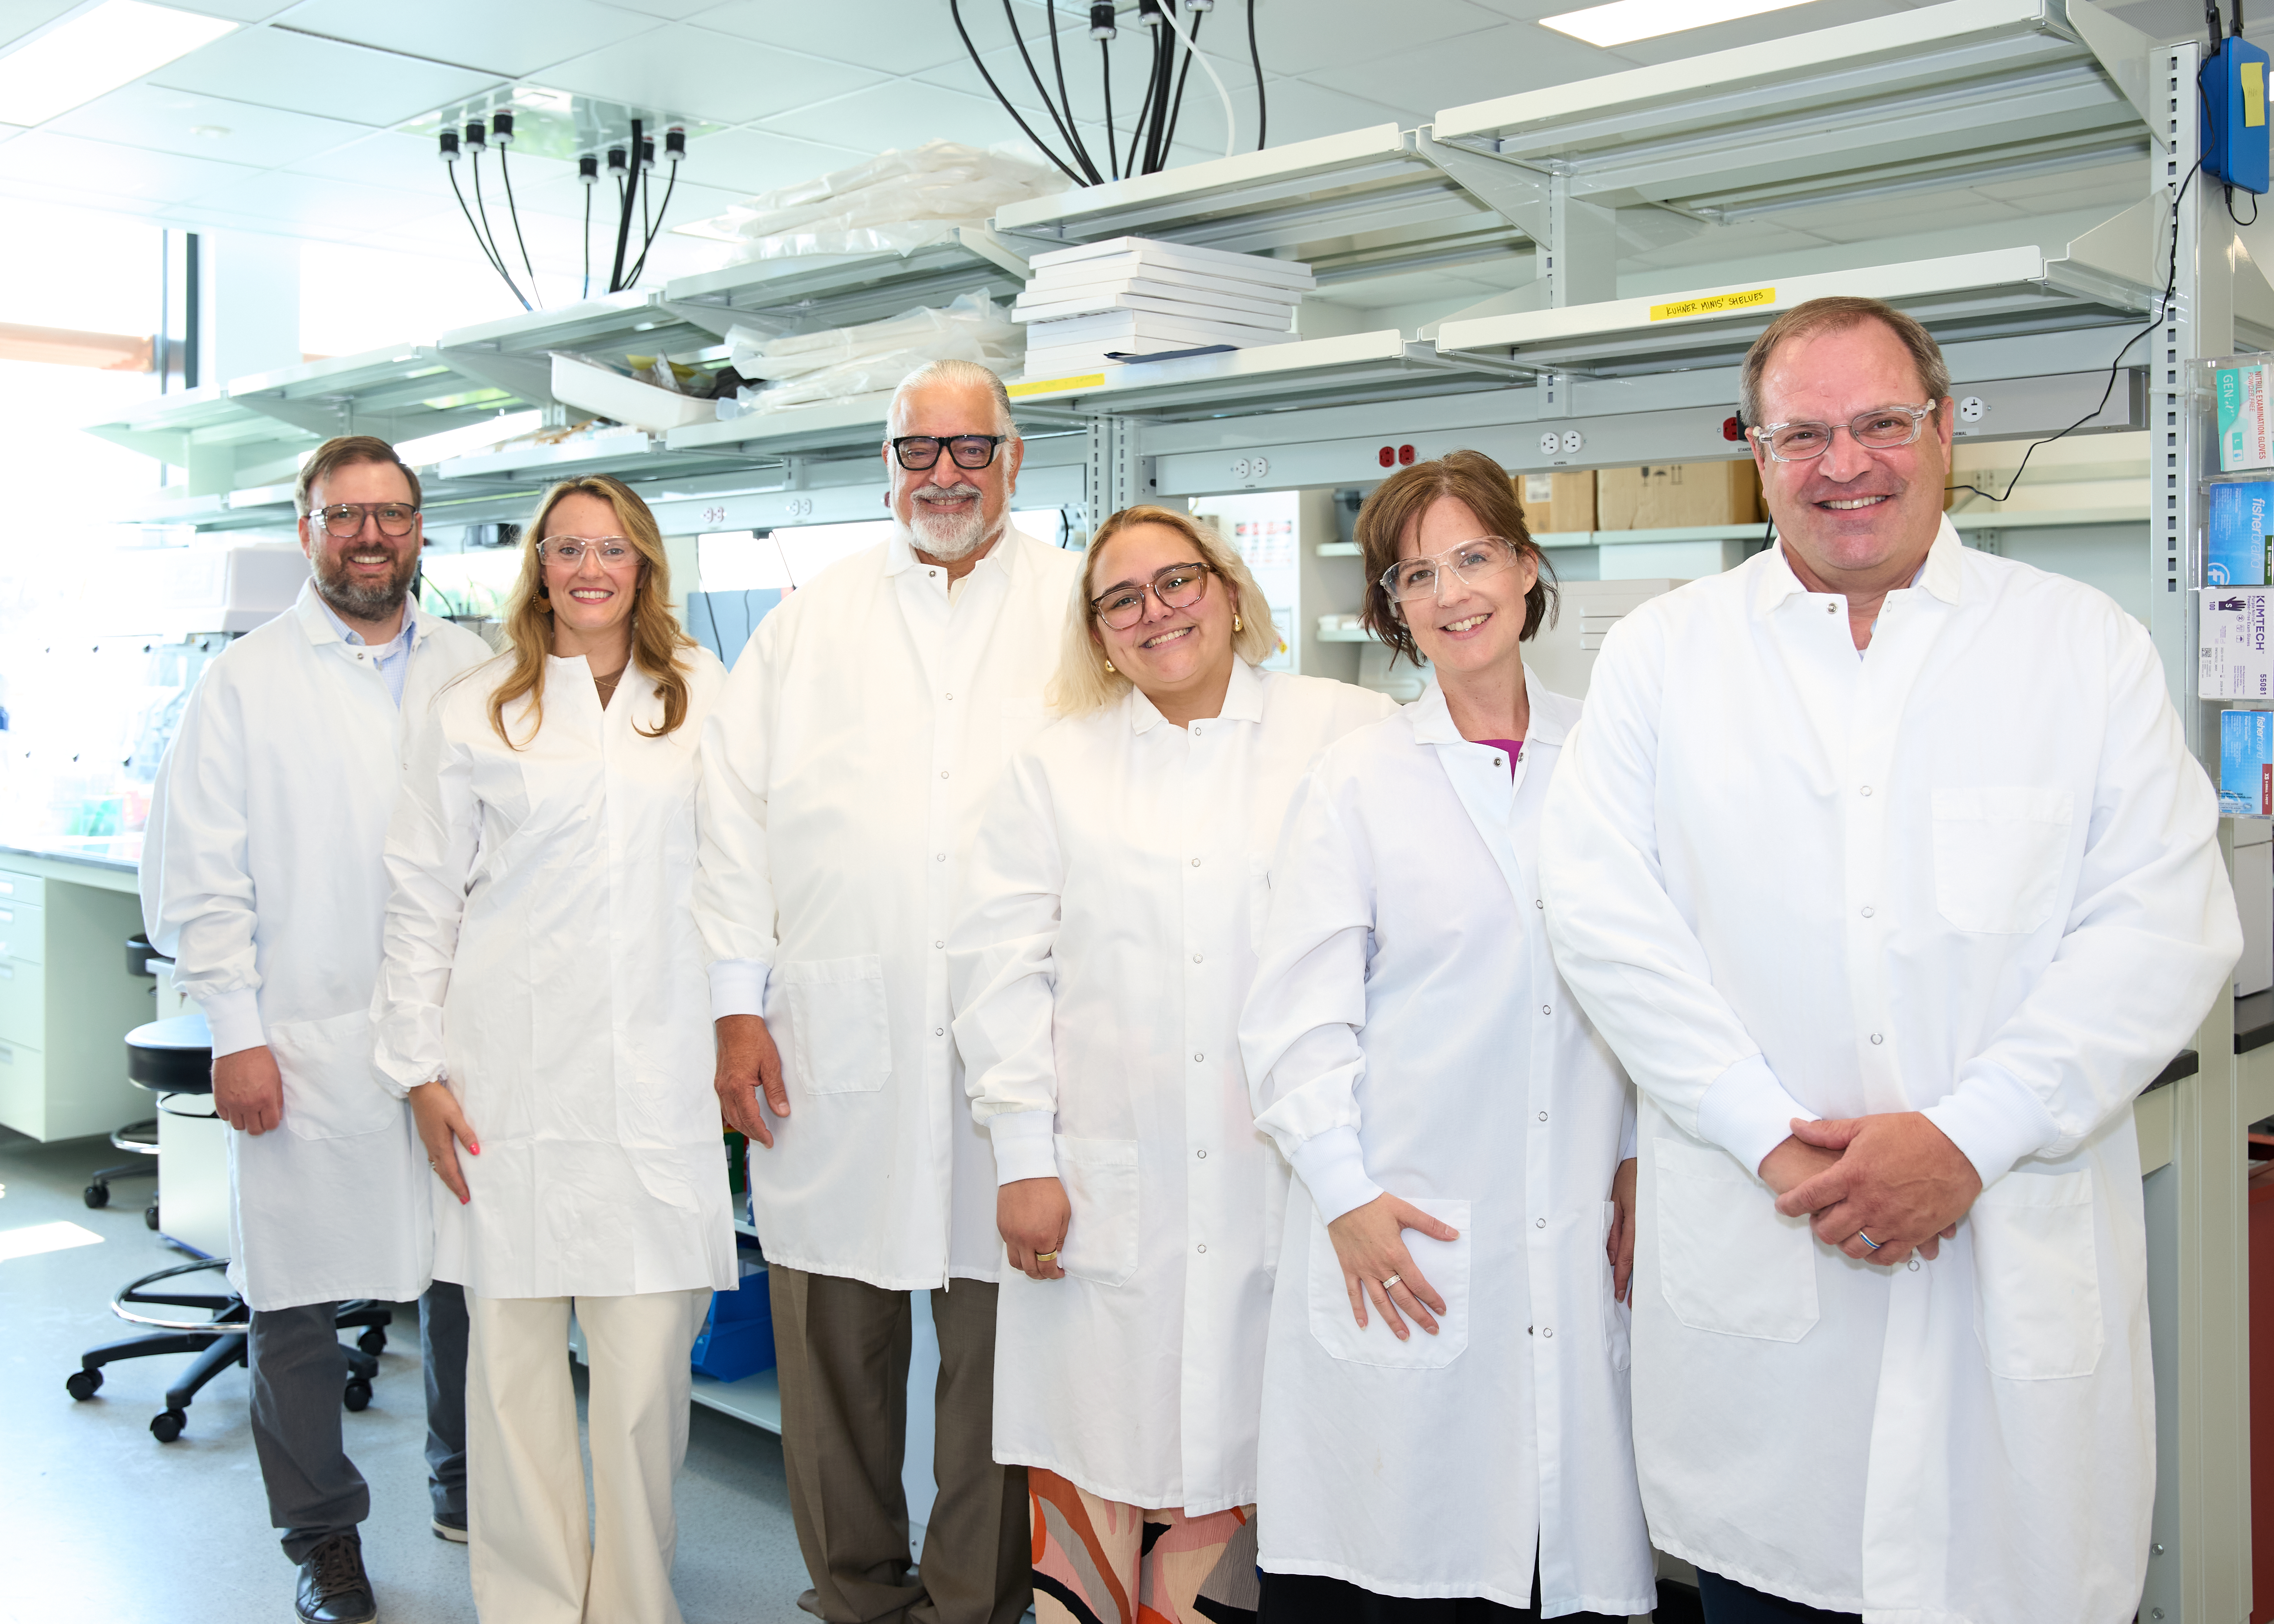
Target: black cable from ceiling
[
  {"x": 1144, "y": 108},
  {"x": 514, "y": 210},
  {"x": 1177, "y": 107},
  {"x": 1156, "y": 145},
  {"x": 1256, "y": 58},
  {"x": 955, "y": 12},
  {"x": 479, "y": 242},
  {"x": 497, "y": 257},
  {"x": 1064, "y": 125},
  {"x": 630, "y": 186},
  {"x": 662, "y": 213},
  {"x": 1105, "y": 78},
  {"x": 1080, "y": 147},
  {"x": 586, "y": 292}
]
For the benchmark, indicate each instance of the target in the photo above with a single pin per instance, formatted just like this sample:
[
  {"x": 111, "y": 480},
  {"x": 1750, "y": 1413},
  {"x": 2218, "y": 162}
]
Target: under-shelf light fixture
[
  {"x": 1624, "y": 21},
  {"x": 94, "y": 53}
]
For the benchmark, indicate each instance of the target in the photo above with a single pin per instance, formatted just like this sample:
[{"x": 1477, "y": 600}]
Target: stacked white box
[
  {"x": 2234, "y": 647},
  {"x": 1089, "y": 306}
]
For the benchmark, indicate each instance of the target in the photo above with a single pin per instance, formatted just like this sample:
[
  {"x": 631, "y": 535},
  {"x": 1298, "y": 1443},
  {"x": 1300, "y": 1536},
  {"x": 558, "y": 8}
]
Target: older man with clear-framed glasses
[
  {"x": 845, "y": 770},
  {"x": 1883, "y": 865}
]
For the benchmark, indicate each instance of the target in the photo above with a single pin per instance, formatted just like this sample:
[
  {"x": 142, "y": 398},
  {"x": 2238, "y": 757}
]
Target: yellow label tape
[
  {"x": 1055, "y": 386},
  {"x": 2254, "y": 95},
  {"x": 1713, "y": 305}
]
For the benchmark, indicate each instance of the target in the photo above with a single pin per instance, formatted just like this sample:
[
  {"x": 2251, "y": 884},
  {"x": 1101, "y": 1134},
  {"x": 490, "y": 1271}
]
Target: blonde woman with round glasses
[
  {"x": 1105, "y": 940},
  {"x": 544, "y": 1000}
]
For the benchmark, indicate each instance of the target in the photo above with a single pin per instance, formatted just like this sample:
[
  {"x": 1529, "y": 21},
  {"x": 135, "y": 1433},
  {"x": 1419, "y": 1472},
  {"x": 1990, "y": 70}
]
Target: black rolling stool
[
  {"x": 140, "y": 1138},
  {"x": 175, "y": 1057}
]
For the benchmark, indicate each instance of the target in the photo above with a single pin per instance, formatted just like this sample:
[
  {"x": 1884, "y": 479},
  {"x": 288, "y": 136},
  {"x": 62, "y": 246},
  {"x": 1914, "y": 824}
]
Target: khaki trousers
[
  {"x": 842, "y": 1347},
  {"x": 526, "y": 1517}
]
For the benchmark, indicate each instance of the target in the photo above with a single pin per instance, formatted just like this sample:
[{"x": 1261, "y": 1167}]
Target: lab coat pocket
[
  {"x": 1444, "y": 1263},
  {"x": 1727, "y": 1260},
  {"x": 1100, "y": 1177},
  {"x": 840, "y": 1041},
  {"x": 2036, "y": 1276},
  {"x": 331, "y": 1086},
  {"x": 1618, "y": 1317},
  {"x": 1998, "y": 855}
]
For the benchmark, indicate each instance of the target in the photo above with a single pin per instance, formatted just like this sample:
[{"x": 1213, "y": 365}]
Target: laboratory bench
[{"x": 68, "y": 996}]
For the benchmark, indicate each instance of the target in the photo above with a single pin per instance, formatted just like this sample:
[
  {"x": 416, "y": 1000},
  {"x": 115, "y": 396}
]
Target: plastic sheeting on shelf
[
  {"x": 801, "y": 369},
  {"x": 897, "y": 201}
]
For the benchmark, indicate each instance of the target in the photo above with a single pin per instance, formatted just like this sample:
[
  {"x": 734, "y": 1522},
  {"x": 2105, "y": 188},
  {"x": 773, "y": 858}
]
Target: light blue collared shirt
[{"x": 394, "y": 660}]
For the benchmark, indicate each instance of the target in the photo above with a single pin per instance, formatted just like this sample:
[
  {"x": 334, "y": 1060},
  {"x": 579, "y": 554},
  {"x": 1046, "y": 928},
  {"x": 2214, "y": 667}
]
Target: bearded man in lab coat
[
  {"x": 845, "y": 770},
  {"x": 261, "y": 876},
  {"x": 1883, "y": 865}
]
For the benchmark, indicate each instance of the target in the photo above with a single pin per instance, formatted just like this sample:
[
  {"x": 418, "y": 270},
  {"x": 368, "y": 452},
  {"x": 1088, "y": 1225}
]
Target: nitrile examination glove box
[
  {"x": 2234, "y": 657},
  {"x": 2240, "y": 532},
  {"x": 2246, "y": 764},
  {"x": 2245, "y": 434}
]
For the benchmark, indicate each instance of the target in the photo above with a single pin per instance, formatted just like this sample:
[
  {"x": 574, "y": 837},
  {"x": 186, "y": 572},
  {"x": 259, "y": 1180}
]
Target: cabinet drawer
[
  {"x": 22, "y": 887},
  {"x": 23, "y": 1090},
  {"x": 23, "y": 930},
  {"x": 23, "y": 1008}
]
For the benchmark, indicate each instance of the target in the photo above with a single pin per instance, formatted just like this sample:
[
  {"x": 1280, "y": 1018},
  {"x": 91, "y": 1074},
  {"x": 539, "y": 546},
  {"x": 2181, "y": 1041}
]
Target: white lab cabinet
[{"x": 2253, "y": 898}]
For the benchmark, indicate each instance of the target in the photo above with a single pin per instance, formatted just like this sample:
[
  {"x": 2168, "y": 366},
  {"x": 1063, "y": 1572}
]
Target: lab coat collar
[
  {"x": 319, "y": 625},
  {"x": 1243, "y": 700},
  {"x": 1942, "y": 574},
  {"x": 1552, "y": 716},
  {"x": 900, "y": 553}
]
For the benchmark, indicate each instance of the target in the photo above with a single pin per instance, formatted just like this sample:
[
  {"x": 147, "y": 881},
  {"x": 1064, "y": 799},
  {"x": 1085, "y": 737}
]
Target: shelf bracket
[
  {"x": 1515, "y": 194},
  {"x": 309, "y": 417},
  {"x": 2127, "y": 56}
]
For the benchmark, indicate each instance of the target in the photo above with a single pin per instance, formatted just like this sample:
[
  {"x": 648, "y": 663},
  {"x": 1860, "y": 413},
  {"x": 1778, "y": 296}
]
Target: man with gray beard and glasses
[
  {"x": 845, "y": 770},
  {"x": 261, "y": 876}
]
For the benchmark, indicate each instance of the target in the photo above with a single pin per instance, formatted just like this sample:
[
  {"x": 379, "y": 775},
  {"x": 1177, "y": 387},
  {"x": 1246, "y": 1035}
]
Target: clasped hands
[{"x": 1896, "y": 1177}]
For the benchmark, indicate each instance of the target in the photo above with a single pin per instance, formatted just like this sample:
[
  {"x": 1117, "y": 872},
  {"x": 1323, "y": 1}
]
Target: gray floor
[{"x": 98, "y": 1521}]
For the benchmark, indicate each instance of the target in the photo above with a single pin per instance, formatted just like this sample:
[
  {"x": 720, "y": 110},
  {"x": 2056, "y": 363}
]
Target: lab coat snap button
[
  {"x": 1547, "y": 1008},
  {"x": 1202, "y": 1247},
  {"x": 1201, "y": 1154},
  {"x": 1196, "y": 958},
  {"x": 1547, "y": 1330},
  {"x": 1196, "y": 863},
  {"x": 1540, "y": 1223},
  {"x": 1878, "y": 1038},
  {"x": 1543, "y": 1116},
  {"x": 1199, "y": 1056},
  {"x": 1867, "y": 913},
  {"x": 939, "y": 1032}
]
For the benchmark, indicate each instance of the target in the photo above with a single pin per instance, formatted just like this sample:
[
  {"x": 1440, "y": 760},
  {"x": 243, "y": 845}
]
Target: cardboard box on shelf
[
  {"x": 1668, "y": 495},
  {"x": 1556, "y": 502}
]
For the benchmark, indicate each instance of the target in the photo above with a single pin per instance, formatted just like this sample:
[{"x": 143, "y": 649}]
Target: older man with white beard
[{"x": 845, "y": 770}]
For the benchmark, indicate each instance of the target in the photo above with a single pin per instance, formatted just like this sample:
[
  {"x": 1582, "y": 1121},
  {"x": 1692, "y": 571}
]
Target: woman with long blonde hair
[
  {"x": 544, "y": 1003},
  {"x": 1104, "y": 942}
]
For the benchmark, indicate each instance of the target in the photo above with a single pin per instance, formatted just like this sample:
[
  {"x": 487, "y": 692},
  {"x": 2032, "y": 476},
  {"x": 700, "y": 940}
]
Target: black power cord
[
  {"x": 2163, "y": 314},
  {"x": 1144, "y": 110},
  {"x": 1063, "y": 124},
  {"x": 501, "y": 132},
  {"x": 1105, "y": 79},
  {"x": 1256, "y": 57},
  {"x": 1177, "y": 107},
  {"x": 955, "y": 12}
]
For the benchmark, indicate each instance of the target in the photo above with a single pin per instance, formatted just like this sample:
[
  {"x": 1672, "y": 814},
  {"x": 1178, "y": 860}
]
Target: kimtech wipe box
[
  {"x": 2234, "y": 657},
  {"x": 2241, "y": 533},
  {"x": 2245, "y": 437},
  {"x": 2246, "y": 764}
]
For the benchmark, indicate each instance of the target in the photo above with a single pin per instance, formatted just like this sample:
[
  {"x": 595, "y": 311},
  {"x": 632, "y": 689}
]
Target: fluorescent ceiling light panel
[
  {"x": 94, "y": 53},
  {"x": 1624, "y": 21}
]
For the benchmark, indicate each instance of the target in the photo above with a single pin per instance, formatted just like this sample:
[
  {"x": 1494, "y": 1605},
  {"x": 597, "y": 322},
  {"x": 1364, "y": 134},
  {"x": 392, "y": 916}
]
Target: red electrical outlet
[
  {"x": 1405, "y": 457},
  {"x": 1731, "y": 429},
  {"x": 1388, "y": 456}
]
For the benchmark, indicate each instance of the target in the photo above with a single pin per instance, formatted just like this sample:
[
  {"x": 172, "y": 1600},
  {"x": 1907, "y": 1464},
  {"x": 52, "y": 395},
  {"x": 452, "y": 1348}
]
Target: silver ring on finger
[
  {"x": 1392, "y": 1281},
  {"x": 1867, "y": 1240}
]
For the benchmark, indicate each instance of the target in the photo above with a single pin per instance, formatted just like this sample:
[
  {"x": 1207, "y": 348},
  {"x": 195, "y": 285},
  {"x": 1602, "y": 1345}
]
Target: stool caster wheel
[
  {"x": 167, "y": 1425},
  {"x": 358, "y": 1396},
  {"x": 97, "y": 1196},
  {"x": 372, "y": 1341},
  {"x": 150, "y": 1217},
  {"x": 83, "y": 1384}
]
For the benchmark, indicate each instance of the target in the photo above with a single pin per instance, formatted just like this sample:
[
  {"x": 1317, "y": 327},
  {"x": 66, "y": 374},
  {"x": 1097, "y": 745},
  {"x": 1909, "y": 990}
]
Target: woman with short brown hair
[
  {"x": 544, "y": 1003},
  {"x": 1105, "y": 937},
  {"x": 1444, "y": 1434}
]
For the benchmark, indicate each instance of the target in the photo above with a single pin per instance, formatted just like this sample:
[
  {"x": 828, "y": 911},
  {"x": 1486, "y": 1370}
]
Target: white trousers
[{"x": 526, "y": 1517}]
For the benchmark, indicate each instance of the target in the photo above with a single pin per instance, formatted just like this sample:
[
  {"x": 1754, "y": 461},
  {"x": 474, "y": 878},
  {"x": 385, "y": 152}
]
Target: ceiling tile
[
  {"x": 669, "y": 11},
  {"x": 713, "y": 76},
  {"x": 322, "y": 77},
  {"x": 516, "y": 39},
  {"x": 201, "y": 126},
  {"x": 1326, "y": 33},
  {"x": 1298, "y": 111},
  {"x": 239, "y": 11},
  {"x": 296, "y": 199},
  {"x": 19, "y": 17},
  {"x": 1761, "y": 30},
  {"x": 1499, "y": 62},
  {"x": 411, "y": 163},
  {"x": 750, "y": 160},
  {"x": 903, "y": 114},
  {"x": 41, "y": 160},
  {"x": 895, "y": 36}
]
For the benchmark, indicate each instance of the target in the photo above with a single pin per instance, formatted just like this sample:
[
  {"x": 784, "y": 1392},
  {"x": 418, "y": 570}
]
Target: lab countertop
[{"x": 110, "y": 862}]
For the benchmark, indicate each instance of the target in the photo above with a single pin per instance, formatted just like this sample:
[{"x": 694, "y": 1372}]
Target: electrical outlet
[{"x": 1973, "y": 409}]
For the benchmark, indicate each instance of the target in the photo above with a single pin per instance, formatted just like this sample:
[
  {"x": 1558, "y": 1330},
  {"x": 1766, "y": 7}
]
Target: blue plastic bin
[{"x": 738, "y": 1335}]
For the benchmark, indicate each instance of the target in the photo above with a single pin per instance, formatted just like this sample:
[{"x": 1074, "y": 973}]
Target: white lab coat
[
  {"x": 1099, "y": 962},
  {"x": 261, "y": 877},
  {"x": 844, "y": 773},
  {"x": 1975, "y": 872},
  {"x": 542, "y": 955},
  {"x": 1406, "y": 993}
]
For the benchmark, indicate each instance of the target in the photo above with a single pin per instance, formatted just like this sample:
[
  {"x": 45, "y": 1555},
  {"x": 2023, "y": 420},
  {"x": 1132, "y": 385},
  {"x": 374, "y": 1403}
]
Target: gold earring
[
  {"x": 1235, "y": 622},
  {"x": 1109, "y": 665}
]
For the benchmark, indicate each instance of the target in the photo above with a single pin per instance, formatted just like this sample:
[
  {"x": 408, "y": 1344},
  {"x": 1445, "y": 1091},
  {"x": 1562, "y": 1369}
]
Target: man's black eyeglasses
[{"x": 921, "y": 451}]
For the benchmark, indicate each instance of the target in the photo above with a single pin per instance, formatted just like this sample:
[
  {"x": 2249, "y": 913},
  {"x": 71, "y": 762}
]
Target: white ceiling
[{"x": 288, "y": 125}]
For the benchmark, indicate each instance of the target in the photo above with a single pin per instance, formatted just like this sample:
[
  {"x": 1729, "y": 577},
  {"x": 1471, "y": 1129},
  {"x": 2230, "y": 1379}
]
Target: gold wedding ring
[{"x": 1046, "y": 1257}]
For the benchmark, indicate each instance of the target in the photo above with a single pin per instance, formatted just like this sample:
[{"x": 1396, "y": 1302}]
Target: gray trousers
[
  {"x": 842, "y": 1349},
  {"x": 298, "y": 1371}
]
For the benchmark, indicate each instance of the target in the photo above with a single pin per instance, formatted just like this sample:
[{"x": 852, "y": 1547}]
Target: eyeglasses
[
  {"x": 1883, "y": 428},
  {"x": 569, "y": 552},
  {"x": 1179, "y": 586},
  {"x": 1468, "y": 563},
  {"x": 921, "y": 451},
  {"x": 343, "y": 521}
]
